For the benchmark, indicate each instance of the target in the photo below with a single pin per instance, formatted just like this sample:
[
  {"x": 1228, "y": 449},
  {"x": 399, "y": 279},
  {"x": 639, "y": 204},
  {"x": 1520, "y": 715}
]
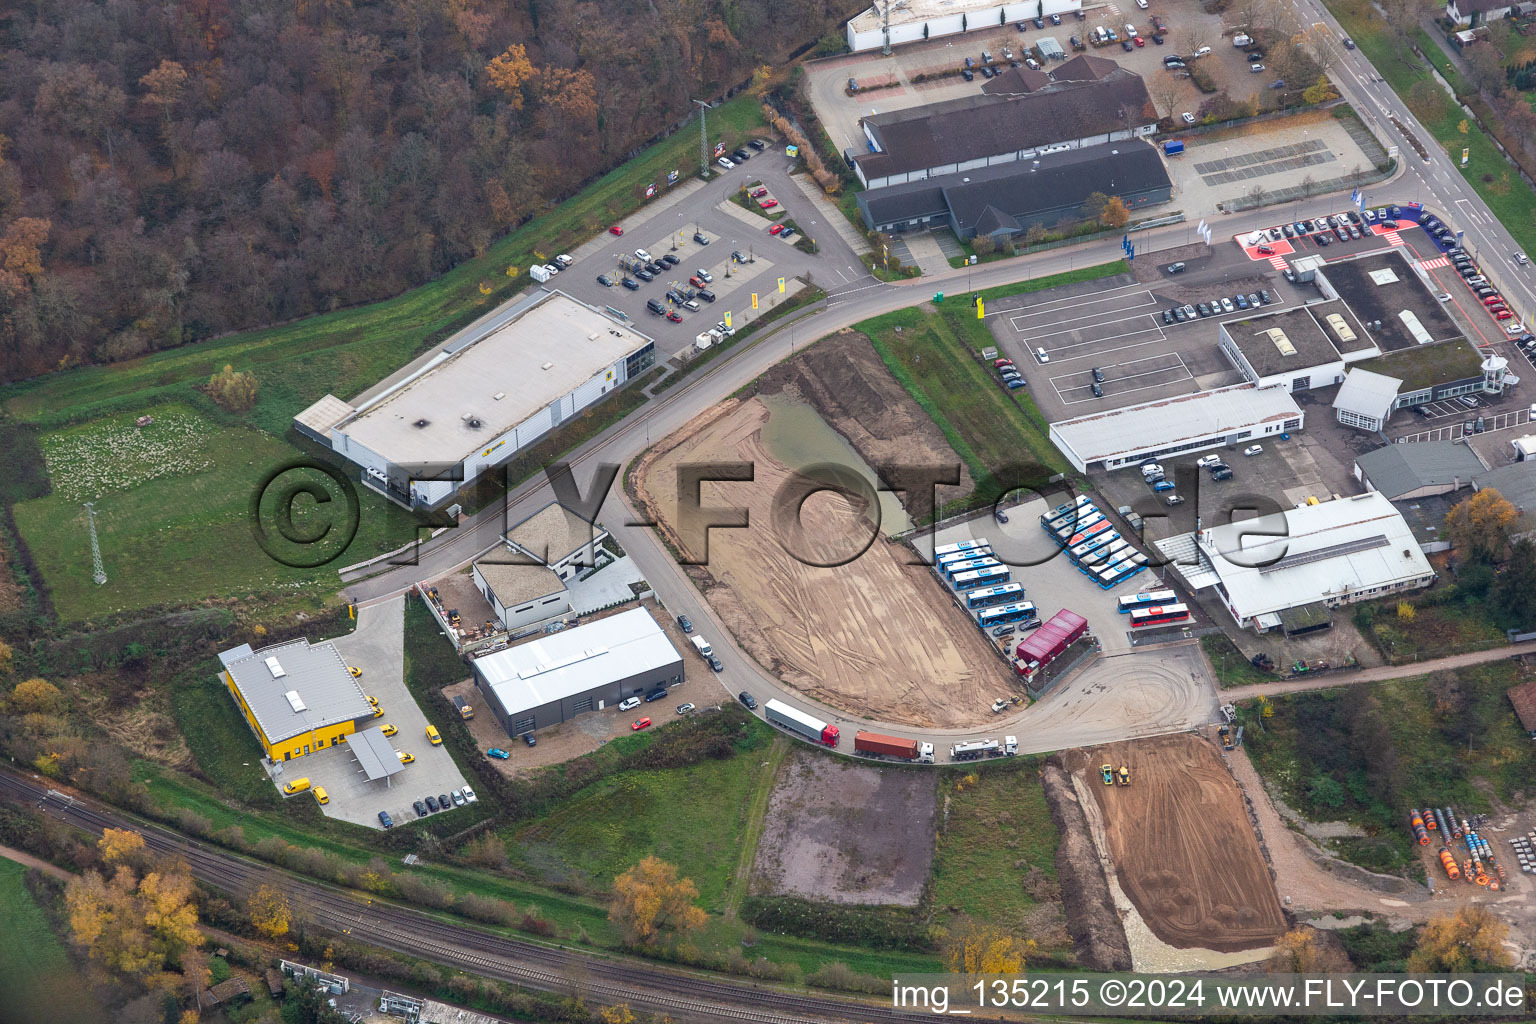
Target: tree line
[{"x": 173, "y": 171}]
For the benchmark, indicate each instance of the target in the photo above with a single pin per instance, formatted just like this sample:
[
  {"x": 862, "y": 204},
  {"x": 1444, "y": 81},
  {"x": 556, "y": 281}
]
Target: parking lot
[
  {"x": 667, "y": 228},
  {"x": 377, "y": 647}
]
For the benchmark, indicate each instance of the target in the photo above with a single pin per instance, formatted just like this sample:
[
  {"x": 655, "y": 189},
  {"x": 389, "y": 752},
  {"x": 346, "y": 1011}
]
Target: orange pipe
[{"x": 1451, "y": 870}]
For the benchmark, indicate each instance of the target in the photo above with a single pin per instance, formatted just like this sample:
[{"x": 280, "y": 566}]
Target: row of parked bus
[
  {"x": 1090, "y": 540},
  {"x": 984, "y": 584},
  {"x": 1153, "y": 608}
]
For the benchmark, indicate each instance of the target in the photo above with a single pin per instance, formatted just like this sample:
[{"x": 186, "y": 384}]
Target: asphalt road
[{"x": 1434, "y": 182}]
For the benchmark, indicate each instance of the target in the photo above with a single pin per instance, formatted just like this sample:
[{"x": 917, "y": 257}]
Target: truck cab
[{"x": 701, "y": 645}]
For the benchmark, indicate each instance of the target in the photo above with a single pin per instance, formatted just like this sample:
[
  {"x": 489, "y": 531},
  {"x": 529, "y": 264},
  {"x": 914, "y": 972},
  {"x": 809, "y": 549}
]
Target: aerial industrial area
[{"x": 972, "y": 489}]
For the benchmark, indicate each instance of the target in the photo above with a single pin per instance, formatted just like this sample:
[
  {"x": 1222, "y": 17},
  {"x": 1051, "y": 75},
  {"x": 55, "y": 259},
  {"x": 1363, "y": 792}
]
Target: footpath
[{"x": 1371, "y": 675}]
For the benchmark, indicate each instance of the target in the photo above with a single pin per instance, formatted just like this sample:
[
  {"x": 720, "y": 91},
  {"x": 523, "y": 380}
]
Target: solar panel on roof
[{"x": 1348, "y": 547}]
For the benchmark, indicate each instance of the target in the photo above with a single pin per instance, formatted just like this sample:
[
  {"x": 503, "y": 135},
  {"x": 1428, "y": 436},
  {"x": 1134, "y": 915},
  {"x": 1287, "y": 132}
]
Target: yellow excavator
[{"x": 1124, "y": 775}]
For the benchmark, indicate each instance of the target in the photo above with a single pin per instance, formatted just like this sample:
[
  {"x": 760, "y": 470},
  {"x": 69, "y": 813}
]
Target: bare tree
[
  {"x": 1165, "y": 93},
  {"x": 1192, "y": 37}
]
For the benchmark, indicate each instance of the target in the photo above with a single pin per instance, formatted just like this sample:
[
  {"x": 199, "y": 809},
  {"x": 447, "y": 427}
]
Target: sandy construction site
[
  {"x": 876, "y": 636},
  {"x": 1181, "y": 844}
]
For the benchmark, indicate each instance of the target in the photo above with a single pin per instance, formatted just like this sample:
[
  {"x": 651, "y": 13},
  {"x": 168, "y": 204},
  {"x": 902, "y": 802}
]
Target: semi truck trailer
[
  {"x": 892, "y": 746},
  {"x": 799, "y": 722}
]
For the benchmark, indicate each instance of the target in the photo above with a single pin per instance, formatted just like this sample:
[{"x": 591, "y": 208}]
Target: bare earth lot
[
  {"x": 876, "y": 636},
  {"x": 1182, "y": 846},
  {"x": 847, "y": 833}
]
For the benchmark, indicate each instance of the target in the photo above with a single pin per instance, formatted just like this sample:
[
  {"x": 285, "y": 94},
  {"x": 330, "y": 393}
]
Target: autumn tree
[
  {"x": 120, "y": 846},
  {"x": 979, "y": 948},
  {"x": 1319, "y": 91},
  {"x": 1479, "y": 526},
  {"x": 107, "y": 920},
  {"x": 234, "y": 390},
  {"x": 1472, "y": 939},
  {"x": 1295, "y": 953},
  {"x": 36, "y": 696},
  {"x": 271, "y": 914},
  {"x": 21, "y": 255},
  {"x": 509, "y": 71},
  {"x": 6, "y": 657},
  {"x": 1114, "y": 214},
  {"x": 1094, "y": 205},
  {"x": 650, "y": 902},
  {"x": 1427, "y": 100}
]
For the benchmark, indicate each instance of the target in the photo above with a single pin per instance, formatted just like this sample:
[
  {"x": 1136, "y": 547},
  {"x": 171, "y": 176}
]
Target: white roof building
[
  {"x": 1288, "y": 568},
  {"x": 1365, "y": 399},
  {"x": 492, "y": 390},
  {"x": 581, "y": 669},
  {"x": 912, "y": 21},
  {"x": 1188, "y": 423}
]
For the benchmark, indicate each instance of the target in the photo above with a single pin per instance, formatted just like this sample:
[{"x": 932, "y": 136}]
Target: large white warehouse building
[
  {"x": 490, "y": 392},
  {"x": 912, "y": 21}
]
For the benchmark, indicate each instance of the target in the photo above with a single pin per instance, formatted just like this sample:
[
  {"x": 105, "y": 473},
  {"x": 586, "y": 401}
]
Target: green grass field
[
  {"x": 999, "y": 828},
  {"x": 37, "y": 980},
  {"x": 172, "y": 506},
  {"x": 693, "y": 817},
  {"x": 1232, "y": 668}
]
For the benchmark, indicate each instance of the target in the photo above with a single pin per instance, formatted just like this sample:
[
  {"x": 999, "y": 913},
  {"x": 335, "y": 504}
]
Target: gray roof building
[
  {"x": 295, "y": 688},
  {"x": 1007, "y": 198},
  {"x": 1404, "y": 471},
  {"x": 1517, "y": 483},
  {"x": 1088, "y": 100}
]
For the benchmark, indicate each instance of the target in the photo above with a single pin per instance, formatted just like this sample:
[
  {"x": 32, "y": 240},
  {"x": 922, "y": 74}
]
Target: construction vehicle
[
  {"x": 1124, "y": 775},
  {"x": 1108, "y": 771},
  {"x": 466, "y": 712},
  {"x": 1225, "y": 733},
  {"x": 1262, "y": 661}
]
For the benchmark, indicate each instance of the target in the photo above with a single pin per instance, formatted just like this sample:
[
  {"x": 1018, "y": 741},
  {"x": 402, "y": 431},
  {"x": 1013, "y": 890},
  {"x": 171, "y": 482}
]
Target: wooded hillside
[{"x": 171, "y": 170}]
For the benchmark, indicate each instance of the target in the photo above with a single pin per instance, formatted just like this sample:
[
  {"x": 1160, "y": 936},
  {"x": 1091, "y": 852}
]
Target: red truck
[
  {"x": 892, "y": 746},
  {"x": 1045, "y": 645}
]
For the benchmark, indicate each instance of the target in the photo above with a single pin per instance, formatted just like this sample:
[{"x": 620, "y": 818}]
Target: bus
[
  {"x": 1078, "y": 525},
  {"x": 1114, "y": 575},
  {"x": 962, "y": 556},
  {"x": 1159, "y": 615},
  {"x": 1106, "y": 555},
  {"x": 1053, "y": 520},
  {"x": 1021, "y": 612},
  {"x": 954, "y": 569},
  {"x": 1102, "y": 526},
  {"x": 1066, "y": 509},
  {"x": 1133, "y": 601},
  {"x": 993, "y": 574},
  {"x": 1093, "y": 543},
  {"x": 964, "y": 545},
  {"x": 989, "y": 596}
]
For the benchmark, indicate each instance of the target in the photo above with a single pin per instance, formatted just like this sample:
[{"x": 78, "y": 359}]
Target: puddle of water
[{"x": 798, "y": 437}]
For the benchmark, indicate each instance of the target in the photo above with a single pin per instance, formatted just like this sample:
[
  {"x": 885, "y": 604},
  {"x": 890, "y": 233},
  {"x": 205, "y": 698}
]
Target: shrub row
[{"x": 870, "y": 927}]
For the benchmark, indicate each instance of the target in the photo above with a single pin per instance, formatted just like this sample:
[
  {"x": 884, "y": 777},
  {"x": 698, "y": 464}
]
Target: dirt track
[
  {"x": 876, "y": 636},
  {"x": 1183, "y": 848}
]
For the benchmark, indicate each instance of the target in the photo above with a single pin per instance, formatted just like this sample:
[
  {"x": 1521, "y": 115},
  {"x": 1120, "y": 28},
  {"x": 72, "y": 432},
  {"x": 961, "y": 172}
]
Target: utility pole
[
  {"x": 703, "y": 139},
  {"x": 98, "y": 573},
  {"x": 885, "y": 26}
]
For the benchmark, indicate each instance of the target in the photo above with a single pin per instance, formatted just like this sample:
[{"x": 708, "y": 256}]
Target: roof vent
[
  {"x": 547, "y": 366},
  {"x": 275, "y": 668},
  {"x": 473, "y": 422},
  {"x": 499, "y": 395},
  {"x": 419, "y": 424},
  {"x": 295, "y": 701}
]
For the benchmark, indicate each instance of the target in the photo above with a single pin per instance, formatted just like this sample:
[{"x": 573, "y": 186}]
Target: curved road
[{"x": 1147, "y": 696}]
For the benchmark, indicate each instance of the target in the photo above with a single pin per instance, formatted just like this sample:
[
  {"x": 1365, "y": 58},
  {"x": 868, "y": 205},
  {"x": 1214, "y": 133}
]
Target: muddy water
[{"x": 798, "y": 437}]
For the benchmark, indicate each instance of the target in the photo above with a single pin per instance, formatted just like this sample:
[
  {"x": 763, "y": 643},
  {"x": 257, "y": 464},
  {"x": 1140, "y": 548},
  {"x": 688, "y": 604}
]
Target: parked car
[
  {"x": 674, "y": 316},
  {"x": 725, "y": 164},
  {"x": 768, "y": 204},
  {"x": 758, "y": 144},
  {"x": 1265, "y": 297},
  {"x": 1175, "y": 268},
  {"x": 1097, "y": 389},
  {"x": 747, "y": 699},
  {"x": 670, "y": 260},
  {"x": 421, "y": 809},
  {"x": 629, "y": 702},
  {"x": 701, "y": 238},
  {"x": 706, "y": 295},
  {"x": 1227, "y": 306},
  {"x": 386, "y": 820},
  {"x": 685, "y": 624},
  {"x": 1222, "y": 474},
  {"x": 432, "y": 803},
  {"x": 530, "y": 739},
  {"x": 777, "y": 229},
  {"x": 1188, "y": 117},
  {"x": 1163, "y": 485},
  {"x": 1203, "y": 309},
  {"x": 630, "y": 283},
  {"x": 615, "y": 230},
  {"x": 656, "y": 694},
  {"x": 606, "y": 280},
  {"x": 645, "y": 275},
  {"x": 968, "y": 74},
  {"x": 715, "y": 663},
  {"x": 1254, "y": 449},
  {"x": 1174, "y": 499}
]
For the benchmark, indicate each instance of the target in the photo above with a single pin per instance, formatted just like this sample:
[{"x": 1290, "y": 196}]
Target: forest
[{"x": 172, "y": 171}]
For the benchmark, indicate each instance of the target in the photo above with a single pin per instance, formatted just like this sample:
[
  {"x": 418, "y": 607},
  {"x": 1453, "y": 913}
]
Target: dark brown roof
[
  {"x": 1523, "y": 697},
  {"x": 982, "y": 125},
  {"x": 1017, "y": 81}
]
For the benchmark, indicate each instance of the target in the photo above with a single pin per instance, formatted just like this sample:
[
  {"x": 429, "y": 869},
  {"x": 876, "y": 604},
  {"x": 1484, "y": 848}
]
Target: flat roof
[
  {"x": 324, "y": 692},
  {"x": 904, "y": 11},
  {"x": 1304, "y": 346},
  {"x": 1423, "y": 366},
  {"x": 1516, "y": 482},
  {"x": 564, "y": 664},
  {"x": 1335, "y": 547},
  {"x": 515, "y": 584},
  {"x": 1352, "y": 279},
  {"x": 494, "y": 382},
  {"x": 552, "y": 533},
  {"x": 1170, "y": 421},
  {"x": 324, "y": 414}
]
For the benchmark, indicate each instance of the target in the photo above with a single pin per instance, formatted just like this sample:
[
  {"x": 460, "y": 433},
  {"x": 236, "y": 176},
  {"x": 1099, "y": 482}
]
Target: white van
[
  {"x": 1130, "y": 31},
  {"x": 1240, "y": 40},
  {"x": 1040, "y": 355}
]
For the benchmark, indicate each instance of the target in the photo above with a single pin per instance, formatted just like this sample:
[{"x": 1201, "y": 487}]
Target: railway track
[{"x": 547, "y": 968}]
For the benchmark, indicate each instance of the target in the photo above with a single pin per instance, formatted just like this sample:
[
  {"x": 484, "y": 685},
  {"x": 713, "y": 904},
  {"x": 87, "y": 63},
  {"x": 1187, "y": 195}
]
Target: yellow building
[{"x": 297, "y": 698}]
